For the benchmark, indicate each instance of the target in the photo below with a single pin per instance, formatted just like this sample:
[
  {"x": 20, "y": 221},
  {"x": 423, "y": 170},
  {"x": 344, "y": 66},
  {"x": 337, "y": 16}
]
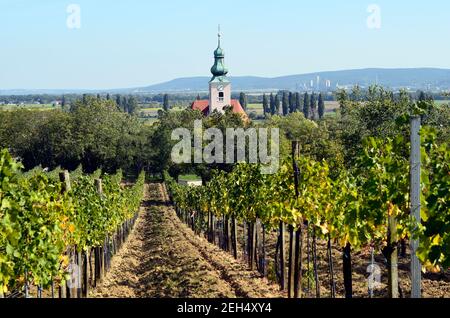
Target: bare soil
[
  {"x": 433, "y": 285},
  {"x": 164, "y": 258}
]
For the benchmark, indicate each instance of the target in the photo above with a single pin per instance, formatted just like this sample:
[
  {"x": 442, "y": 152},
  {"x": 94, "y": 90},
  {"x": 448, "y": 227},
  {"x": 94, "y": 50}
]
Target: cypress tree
[
  {"x": 298, "y": 101},
  {"x": 108, "y": 97},
  {"x": 422, "y": 96},
  {"x": 273, "y": 107},
  {"x": 124, "y": 104},
  {"x": 166, "y": 104},
  {"x": 321, "y": 106},
  {"x": 265, "y": 104},
  {"x": 285, "y": 103},
  {"x": 131, "y": 105},
  {"x": 306, "y": 104},
  {"x": 313, "y": 105},
  {"x": 243, "y": 100},
  {"x": 291, "y": 102},
  {"x": 294, "y": 102},
  {"x": 119, "y": 101},
  {"x": 277, "y": 104}
]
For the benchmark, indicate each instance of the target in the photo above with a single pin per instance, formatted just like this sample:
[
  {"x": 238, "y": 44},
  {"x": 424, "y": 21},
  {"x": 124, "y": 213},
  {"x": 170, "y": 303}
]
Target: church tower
[
  {"x": 219, "y": 89},
  {"x": 219, "y": 86}
]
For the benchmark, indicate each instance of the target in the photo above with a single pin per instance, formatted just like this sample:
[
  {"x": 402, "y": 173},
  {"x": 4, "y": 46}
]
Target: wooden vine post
[
  {"x": 298, "y": 238},
  {"x": 253, "y": 245},
  {"x": 282, "y": 256},
  {"x": 264, "y": 252},
  {"x": 99, "y": 257},
  {"x": 85, "y": 274},
  {"x": 250, "y": 244},
  {"x": 213, "y": 229},
  {"x": 209, "y": 227},
  {"x": 331, "y": 268},
  {"x": 259, "y": 251},
  {"x": 416, "y": 266},
  {"x": 392, "y": 257},
  {"x": 229, "y": 238},
  {"x": 347, "y": 269},
  {"x": 235, "y": 243},
  {"x": 64, "y": 178},
  {"x": 291, "y": 261}
]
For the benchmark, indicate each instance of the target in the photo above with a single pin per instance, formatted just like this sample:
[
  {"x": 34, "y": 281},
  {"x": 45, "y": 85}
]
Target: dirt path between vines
[{"x": 164, "y": 258}]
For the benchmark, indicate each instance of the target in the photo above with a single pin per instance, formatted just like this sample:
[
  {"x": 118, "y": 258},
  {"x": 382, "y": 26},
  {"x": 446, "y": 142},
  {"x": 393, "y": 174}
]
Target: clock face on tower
[{"x": 220, "y": 96}]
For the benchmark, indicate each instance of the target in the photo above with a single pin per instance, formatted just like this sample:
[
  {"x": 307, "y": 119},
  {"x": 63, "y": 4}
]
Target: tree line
[
  {"x": 311, "y": 105},
  {"x": 102, "y": 132}
]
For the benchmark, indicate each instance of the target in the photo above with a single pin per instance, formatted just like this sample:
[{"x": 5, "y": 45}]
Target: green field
[
  {"x": 189, "y": 177},
  {"x": 29, "y": 107},
  {"x": 153, "y": 111},
  {"x": 254, "y": 106}
]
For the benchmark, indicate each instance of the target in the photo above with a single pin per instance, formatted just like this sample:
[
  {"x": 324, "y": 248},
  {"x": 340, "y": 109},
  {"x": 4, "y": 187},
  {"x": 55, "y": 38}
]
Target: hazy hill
[
  {"x": 423, "y": 78},
  {"x": 414, "y": 79}
]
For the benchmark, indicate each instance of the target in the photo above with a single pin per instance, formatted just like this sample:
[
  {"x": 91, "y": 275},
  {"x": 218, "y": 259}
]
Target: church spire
[{"x": 219, "y": 70}]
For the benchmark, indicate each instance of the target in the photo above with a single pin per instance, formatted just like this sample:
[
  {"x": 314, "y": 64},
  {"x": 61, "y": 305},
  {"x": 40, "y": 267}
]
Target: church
[{"x": 219, "y": 89}]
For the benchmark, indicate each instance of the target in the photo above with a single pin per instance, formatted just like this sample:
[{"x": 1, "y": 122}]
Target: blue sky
[{"x": 136, "y": 43}]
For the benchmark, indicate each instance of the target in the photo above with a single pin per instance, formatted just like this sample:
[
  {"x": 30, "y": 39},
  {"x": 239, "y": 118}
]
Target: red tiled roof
[
  {"x": 237, "y": 108},
  {"x": 203, "y": 106}
]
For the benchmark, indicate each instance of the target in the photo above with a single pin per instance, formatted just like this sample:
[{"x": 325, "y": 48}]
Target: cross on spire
[{"x": 219, "y": 34}]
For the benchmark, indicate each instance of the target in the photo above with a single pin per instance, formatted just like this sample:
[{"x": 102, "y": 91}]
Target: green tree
[
  {"x": 298, "y": 102},
  {"x": 166, "y": 104},
  {"x": 313, "y": 105},
  {"x": 266, "y": 106},
  {"x": 422, "y": 97},
  {"x": 292, "y": 102},
  {"x": 119, "y": 101},
  {"x": 273, "y": 107},
  {"x": 243, "y": 100},
  {"x": 285, "y": 103},
  {"x": 321, "y": 106},
  {"x": 132, "y": 105},
  {"x": 306, "y": 105},
  {"x": 124, "y": 104},
  {"x": 277, "y": 104}
]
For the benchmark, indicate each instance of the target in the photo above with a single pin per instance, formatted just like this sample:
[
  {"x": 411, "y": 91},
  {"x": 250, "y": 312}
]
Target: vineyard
[
  {"x": 358, "y": 208},
  {"x": 368, "y": 206},
  {"x": 59, "y": 231}
]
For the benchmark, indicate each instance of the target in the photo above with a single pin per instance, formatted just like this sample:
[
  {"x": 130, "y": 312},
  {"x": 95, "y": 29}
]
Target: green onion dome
[{"x": 219, "y": 68}]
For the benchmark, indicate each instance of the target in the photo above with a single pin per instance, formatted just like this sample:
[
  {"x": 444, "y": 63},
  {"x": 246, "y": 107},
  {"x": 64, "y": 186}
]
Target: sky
[{"x": 135, "y": 43}]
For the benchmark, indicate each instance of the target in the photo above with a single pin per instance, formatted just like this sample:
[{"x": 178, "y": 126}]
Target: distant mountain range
[{"x": 413, "y": 78}]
